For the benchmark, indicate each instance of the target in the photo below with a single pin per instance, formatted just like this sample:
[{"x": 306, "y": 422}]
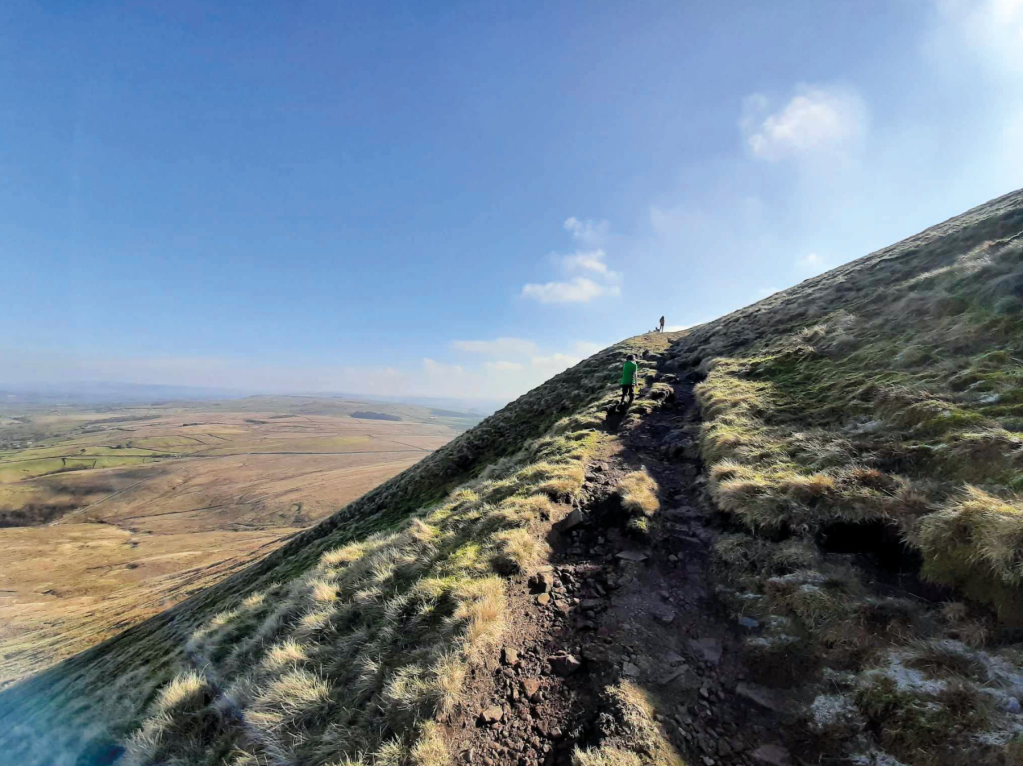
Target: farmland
[{"x": 109, "y": 515}]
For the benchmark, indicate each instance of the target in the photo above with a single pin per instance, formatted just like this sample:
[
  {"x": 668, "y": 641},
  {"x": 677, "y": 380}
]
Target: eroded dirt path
[{"x": 613, "y": 606}]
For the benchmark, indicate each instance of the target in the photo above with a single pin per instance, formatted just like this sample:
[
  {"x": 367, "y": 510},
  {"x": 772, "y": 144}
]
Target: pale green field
[{"x": 31, "y": 468}]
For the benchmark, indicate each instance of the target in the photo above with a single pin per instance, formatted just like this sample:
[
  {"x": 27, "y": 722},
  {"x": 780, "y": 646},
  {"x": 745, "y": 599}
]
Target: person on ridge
[
  {"x": 629, "y": 379},
  {"x": 662, "y": 325}
]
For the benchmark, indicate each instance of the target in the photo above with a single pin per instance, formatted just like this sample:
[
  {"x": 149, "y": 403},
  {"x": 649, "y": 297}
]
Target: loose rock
[
  {"x": 573, "y": 520},
  {"x": 707, "y": 649},
  {"x": 669, "y": 677},
  {"x": 772, "y": 755},
  {"x": 664, "y": 615},
  {"x": 760, "y": 695},
  {"x": 748, "y": 623},
  {"x": 491, "y": 715},
  {"x": 539, "y": 583},
  {"x": 564, "y": 664},
  {"x": 531, "y": 688},
  {"x": 635, "y": 556}
]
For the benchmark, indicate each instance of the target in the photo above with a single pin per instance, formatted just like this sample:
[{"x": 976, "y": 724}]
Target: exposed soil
[{"x": 613, "y": 606}]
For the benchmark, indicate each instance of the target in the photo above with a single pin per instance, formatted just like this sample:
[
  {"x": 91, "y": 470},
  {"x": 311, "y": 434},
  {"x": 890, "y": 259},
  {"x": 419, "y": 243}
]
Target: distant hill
[
  {"x": 105, "y": 392},
  {"x": 368, "y": 415},
  {"x": 801, "y": 543}
]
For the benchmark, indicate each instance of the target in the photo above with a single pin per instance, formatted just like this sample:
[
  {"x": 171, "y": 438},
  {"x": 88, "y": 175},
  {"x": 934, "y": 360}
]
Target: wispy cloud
[
  {"x": 591, "y": 277},
  {"x": 592, "y": 261},
  {"x": 987, "y": 31},
  {"x": 502, "y": 365},
  {"x": 433, "y": 368},
  {"x": 589, "y": 233},
  {"x": 496, "y": 347},
  {"x": 816, "y": 119},
  {"x": 554, "y": 363},
  {"x": 578, "y": 290}
]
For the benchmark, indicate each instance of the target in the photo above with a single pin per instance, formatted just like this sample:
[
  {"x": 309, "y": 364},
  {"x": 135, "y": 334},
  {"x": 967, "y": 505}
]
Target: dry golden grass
[
  {"x": 639, "y": 494},
  {"x": 342, "y": 645},
  {"x": 975, "y": 530},
  {"x": 787, "y": 455},
  {"x": 634, "y": 738},
  {"x": 606, "y": 756},
  {"x": 520, "y": 550},
  {"x": 884, "y": 394},
  {"x": 431, "y": 749},
  {"x": 361, "y": 652}
]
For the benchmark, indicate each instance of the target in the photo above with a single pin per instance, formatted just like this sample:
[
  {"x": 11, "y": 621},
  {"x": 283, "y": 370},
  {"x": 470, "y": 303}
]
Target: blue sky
[{"x": 463, "y": 198}]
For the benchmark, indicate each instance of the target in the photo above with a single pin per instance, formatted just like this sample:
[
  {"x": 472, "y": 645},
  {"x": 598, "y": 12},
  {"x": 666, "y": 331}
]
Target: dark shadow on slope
[
  {"x": 100, "y": 753},
  {"x": 879, "y": 550}
]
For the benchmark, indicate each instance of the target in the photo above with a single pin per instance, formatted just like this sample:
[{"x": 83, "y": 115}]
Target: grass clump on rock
[
  {"x": 975, "y": 542},
  {"x": 631, "y": 736},
  {"x": 638, "y": 492}
]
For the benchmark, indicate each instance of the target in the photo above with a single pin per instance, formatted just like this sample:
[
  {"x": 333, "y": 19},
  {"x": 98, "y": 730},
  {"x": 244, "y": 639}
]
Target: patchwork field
[{"x": 110, "y": 515}]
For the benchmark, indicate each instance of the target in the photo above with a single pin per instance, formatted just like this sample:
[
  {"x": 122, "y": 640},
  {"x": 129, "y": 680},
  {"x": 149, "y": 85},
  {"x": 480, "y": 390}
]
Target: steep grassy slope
[
  {"x": 386, "y": 609},
  {"x": 859, "y": 430},
  {"x": 876, "y": 411}
]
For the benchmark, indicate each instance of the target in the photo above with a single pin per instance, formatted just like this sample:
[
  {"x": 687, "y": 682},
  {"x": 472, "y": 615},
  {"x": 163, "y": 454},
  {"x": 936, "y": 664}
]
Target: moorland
[{"x": 110, "y": 513}]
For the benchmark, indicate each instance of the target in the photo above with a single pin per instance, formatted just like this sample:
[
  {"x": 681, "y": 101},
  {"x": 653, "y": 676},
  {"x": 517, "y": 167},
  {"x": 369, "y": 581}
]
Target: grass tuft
[
  {"x": 639, "y": 494},
  {"x": 630, "y": 735}
]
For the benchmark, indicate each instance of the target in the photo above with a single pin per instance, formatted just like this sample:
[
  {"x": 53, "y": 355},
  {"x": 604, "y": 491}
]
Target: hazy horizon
[{"x": 116, "y": 392}]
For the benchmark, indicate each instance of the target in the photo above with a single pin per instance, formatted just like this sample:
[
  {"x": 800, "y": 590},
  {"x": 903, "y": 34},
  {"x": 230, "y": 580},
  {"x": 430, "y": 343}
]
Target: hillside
[{"x": 803, "y": 543}]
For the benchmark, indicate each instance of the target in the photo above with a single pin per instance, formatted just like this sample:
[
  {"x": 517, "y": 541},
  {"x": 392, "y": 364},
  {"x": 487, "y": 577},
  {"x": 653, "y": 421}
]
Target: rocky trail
[{"x": 616, "y": 607}]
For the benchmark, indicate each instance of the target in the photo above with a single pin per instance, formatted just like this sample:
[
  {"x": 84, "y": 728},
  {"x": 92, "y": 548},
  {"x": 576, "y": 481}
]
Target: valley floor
[{"x": 165, "y": 501}]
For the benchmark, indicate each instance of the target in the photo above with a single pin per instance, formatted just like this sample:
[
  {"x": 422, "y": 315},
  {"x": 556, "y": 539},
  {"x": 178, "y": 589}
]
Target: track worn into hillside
[{"x": 616, "y": 606}]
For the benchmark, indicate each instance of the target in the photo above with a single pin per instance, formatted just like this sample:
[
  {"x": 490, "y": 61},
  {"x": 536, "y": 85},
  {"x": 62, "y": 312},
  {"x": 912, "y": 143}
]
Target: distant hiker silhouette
[
  {"x": 662, "y": 325},
  {"x": 629, "y": 371}
]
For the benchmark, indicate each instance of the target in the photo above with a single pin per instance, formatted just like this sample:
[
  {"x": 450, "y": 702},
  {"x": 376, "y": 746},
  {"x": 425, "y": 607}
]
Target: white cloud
[
  {"x": 554, "y": 363},
  {"x": 248, "y": 375},
  {"x": 592, "y": 260},
  {"x": 815, "y": 120},
  {"x": 676, "y": 327},
  {"x": 494, "y": 379},
  {"x": 578, "y": 290},
  {"x": 987, "y": 31},
  {"x": 434, "y": 368},
  {"x": 496, "y": 347},
  {"x": 589, "y": 232},
  {"x": 503, "y": 365},
  {"x": 599, "y": 280}
]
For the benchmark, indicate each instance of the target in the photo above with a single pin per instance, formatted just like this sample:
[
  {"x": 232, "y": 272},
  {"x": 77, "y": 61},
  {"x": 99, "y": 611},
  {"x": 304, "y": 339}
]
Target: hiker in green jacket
[{"x": 629, "y": 379}]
